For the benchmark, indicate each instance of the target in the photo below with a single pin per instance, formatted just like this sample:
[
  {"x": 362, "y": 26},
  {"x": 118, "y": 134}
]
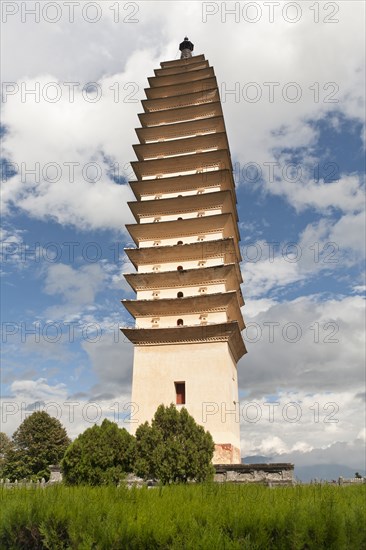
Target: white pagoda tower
[{"x": 187, "y": 337}]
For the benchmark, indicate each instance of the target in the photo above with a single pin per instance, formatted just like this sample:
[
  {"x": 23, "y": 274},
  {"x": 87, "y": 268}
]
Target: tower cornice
[
  {"x": 208, "y": 303},
  {"x": 181, "y": 146},
  {"x": 180, "y": 63},
  {"x": 223, "y": 249},
  {"x": 169, "y": 132},
  {"x": 194, "y": 66},
  {"x": 211, "y": 160},
  {"x": 229, "y": 274},
  {"x": 181, "y": 115},
  {"x": 180, "y": 78},
  {"x": 179, "y": 205},
  {"x": 191, "y": 182},
  {"x": 200, "y": 334},
  {"x": 202, "y": 96},
  {"x": 161, "y": 92},
  {"x": 187, "y": 227}
]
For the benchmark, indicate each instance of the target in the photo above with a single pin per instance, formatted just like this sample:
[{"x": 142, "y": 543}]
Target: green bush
[
  {"x": 99, "y": 456},
  {"x": 174, "y": 448},
  {"x": 40, "y": 441}
]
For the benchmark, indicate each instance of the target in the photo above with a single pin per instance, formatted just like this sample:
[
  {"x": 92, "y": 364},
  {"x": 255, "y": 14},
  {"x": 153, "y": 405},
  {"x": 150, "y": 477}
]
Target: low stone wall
[
  {"x": 24, "y": 483},
  {"x": 55, "y": 477},
  {"x": 351, "y": 480},
  {"x": 268, "y": 474}
]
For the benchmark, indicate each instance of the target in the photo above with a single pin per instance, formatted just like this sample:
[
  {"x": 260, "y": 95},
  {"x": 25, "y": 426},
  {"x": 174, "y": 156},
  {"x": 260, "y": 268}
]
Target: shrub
[
  {"x": 174, "y": 448},
  {"x": 101, "y": 455},
  {"x": 39, "y": 441}
]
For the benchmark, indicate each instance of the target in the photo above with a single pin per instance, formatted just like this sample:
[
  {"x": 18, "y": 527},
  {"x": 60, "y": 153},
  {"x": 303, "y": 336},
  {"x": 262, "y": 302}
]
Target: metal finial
[{"x": 186, "y": 47}]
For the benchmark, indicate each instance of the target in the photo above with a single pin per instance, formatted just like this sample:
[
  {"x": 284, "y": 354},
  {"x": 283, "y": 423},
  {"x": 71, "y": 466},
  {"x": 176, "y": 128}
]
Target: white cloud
[
  {"x": 83, "y": 132},
  {"x": 51, "y": 47},
  {"x": 80, "y": 289},
  {"x": 38, "y": 390},
  {"x": 307, "y": 426},
  {"x": 345, "y": 194},
  {"x": 256, "y": 306},
  {"x": 75, "y": 285},
  {"x": 327, "y": 245},
  {"x": 262, "y": 276},
  {"x": 12, "y": 248},
  {"x": 316, "y": 380},
  {"x": 305, "y": 343},
  {"x": 349, "y": 233},
  {"x": 362, "y": 435},
  {"x": 111, "y": 360},
  {"x": 117, "y": 275},
  {"x": 69, "y": 143},
  {"x": 76, "y": 413},
  {"x": 359, "y": 289}
]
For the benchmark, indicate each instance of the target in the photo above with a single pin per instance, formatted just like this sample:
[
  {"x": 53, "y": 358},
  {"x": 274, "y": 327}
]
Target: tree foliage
[
  {"x": 6, "y": 446},
  {"x": 99, "y": 456},
  {"x": 174, "y": 448},
  {"x": 40, "y": 441}
]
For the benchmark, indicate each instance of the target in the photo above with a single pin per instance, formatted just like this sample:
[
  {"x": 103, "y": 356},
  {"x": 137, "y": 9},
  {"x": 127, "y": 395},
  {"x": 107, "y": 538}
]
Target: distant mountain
[
  {"x": 257, "y": 459},
  {"x": 307, "y": 473},
  {"x": 324, "y": 471}
]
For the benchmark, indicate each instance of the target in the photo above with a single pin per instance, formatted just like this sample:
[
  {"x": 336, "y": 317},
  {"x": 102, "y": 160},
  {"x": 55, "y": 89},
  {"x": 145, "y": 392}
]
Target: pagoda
[{"x": 188, "y": 322}]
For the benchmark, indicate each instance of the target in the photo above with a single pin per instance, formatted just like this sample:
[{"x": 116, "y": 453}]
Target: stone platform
[{"x": 281, "y": 473}]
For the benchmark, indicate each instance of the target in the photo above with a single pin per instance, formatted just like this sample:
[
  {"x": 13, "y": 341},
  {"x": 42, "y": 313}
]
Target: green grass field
[{"x": 208, "y": 516}]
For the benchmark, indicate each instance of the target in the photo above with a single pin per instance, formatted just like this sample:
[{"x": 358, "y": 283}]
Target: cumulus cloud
[
  {"x": 305, "y": 343},
  {"x": 74, "y": 150},
  {"x": 349, "y": 233},
  {"x": 302, "y": 427},
  {"x": 12, "y": 250},
  {"x": 111, "y": 360},
  {"x": 266, "y": 274},
  {"x": 346, "y": 194},
  {"x": 349, "y": 453},
  {"x": 78, "y": 286},
  {"x": 102, "y": 132},
  {"x": 76, "y": 413},
  {"x": 328, "y": 245},
  {"x": 38, "y": 390}
]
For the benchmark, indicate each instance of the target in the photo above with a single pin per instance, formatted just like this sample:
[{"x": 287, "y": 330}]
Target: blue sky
[{"x": 63, "y": 240}]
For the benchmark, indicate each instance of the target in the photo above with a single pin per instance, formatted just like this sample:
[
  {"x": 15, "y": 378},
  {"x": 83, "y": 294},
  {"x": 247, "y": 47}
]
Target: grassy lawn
[{"x": 208, "y": 516}]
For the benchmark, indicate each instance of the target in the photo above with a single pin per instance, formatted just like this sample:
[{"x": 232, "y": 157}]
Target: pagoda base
[
  {"x": 226, "y": 453},
  {"x": 207, "y": 371}
]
